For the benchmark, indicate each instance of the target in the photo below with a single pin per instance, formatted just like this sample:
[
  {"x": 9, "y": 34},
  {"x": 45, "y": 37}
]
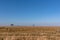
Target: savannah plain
[{"x": 30, "y": 33}]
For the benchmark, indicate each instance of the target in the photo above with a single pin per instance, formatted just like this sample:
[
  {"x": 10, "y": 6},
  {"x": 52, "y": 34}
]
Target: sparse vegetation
[{"x": 30, "y": 33}]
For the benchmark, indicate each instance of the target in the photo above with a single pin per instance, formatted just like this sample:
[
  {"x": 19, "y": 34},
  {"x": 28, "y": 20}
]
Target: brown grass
[
  {"x": 30, "y": 32},
  {"x": 28, "y": 28}
]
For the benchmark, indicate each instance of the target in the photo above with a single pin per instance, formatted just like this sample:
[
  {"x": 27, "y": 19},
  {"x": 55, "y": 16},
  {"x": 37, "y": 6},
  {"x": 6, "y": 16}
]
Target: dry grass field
[{"x": 30, "y": 33}]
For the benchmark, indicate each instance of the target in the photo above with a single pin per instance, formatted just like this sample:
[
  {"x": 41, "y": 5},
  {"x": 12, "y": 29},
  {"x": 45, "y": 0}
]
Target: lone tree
[
  {"x": 33, "y": 24},
  {"x": 12, "y": 24}
]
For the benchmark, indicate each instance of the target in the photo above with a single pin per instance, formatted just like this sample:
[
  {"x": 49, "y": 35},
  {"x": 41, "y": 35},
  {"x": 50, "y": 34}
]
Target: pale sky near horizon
[{"x": 28, "y": 12}]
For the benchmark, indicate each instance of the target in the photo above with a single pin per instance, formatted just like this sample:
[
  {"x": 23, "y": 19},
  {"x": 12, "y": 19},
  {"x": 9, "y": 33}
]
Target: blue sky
[{"x": 28, "y": 12}]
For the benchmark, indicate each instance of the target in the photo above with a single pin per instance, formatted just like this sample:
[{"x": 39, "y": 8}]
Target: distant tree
[
  {"x": 33, "y": 24},
  {"x": 12, "y": 24}
]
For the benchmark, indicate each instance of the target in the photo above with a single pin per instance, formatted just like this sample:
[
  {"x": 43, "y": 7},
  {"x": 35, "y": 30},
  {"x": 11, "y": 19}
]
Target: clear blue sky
[{"x": 27, "y": 12}]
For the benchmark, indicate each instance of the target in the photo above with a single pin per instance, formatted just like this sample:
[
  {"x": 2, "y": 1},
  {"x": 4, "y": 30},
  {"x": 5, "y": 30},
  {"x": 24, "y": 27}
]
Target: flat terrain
[{"x": 30, "y": 33}]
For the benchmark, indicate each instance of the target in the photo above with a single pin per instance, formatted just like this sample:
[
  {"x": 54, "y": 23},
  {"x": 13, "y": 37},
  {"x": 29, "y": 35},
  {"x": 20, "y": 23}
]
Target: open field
[{"x": 30, "y": 33}]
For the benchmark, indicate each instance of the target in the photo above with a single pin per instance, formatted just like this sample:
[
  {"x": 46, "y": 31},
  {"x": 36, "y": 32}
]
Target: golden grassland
[
  {"x": 30, "y": 32},
  {"x": 28, "y": 28}
]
